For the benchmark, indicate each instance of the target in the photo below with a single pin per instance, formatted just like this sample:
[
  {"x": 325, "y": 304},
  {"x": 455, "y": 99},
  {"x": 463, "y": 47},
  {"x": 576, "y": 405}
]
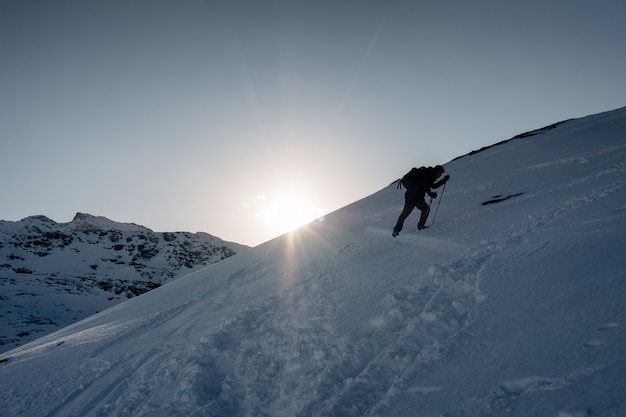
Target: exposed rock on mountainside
[{"x": 53, "y": 274}]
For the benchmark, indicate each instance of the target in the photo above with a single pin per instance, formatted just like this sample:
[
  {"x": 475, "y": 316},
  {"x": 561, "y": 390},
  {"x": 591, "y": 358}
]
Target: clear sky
[{"x": 240, "y": 118}]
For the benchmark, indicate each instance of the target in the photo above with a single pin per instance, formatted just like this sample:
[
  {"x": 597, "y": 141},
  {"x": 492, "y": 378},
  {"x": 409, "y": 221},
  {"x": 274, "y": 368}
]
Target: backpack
[{"x": 413, "y": 178}]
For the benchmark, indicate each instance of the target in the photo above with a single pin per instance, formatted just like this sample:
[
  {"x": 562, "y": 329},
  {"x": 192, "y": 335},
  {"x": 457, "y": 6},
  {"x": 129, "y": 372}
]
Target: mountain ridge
[{"x": 47, "y": 267}]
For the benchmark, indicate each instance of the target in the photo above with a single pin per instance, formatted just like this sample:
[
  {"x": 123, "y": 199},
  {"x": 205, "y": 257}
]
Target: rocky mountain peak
[
  {"x": 88, "y": 222},
  {"x": 53, "y": 274}
]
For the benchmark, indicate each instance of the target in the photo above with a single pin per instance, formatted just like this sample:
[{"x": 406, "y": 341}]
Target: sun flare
[{"x": 287, "y": 213}]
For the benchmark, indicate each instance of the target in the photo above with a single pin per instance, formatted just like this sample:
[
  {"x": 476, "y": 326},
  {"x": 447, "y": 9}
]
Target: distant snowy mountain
[
  {"x": 512, "y": 304},
  {"x": 52, "y": 275}
]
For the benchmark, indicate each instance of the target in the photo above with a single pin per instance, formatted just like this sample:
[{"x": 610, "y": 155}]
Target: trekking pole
[{"x": 439, "y": 202}]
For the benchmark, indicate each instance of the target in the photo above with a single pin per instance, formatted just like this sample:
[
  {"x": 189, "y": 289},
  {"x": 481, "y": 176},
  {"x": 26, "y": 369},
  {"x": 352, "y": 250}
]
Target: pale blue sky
[{"x": 203, "y": 115}]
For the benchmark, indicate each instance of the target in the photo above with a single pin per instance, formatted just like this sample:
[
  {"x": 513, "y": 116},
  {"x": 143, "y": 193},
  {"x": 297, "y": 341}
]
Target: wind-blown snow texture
[{"x": 512, "y": 308}]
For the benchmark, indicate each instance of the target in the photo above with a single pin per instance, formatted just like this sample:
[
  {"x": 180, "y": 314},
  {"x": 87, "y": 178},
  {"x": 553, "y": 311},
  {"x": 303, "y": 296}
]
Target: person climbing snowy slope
[{"x": 419, "y": 182}]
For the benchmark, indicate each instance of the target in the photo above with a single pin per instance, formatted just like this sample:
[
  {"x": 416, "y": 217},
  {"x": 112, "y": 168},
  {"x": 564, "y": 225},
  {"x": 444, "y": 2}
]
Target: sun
[{"x": 285, "y": 213}]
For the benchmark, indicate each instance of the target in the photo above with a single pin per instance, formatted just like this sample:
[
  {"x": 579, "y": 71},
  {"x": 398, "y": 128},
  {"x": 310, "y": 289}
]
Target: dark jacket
[{"x": 422, "y": 182}]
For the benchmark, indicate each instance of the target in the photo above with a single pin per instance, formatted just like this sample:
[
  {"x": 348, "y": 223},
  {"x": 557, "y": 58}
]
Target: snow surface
[{"x": 512, "y": 308}]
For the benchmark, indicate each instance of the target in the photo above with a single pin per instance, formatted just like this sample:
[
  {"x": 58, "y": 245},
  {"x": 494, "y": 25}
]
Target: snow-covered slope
[
  {"x": 516, "y": 307},
  {"x": 52, "y": 275}
]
